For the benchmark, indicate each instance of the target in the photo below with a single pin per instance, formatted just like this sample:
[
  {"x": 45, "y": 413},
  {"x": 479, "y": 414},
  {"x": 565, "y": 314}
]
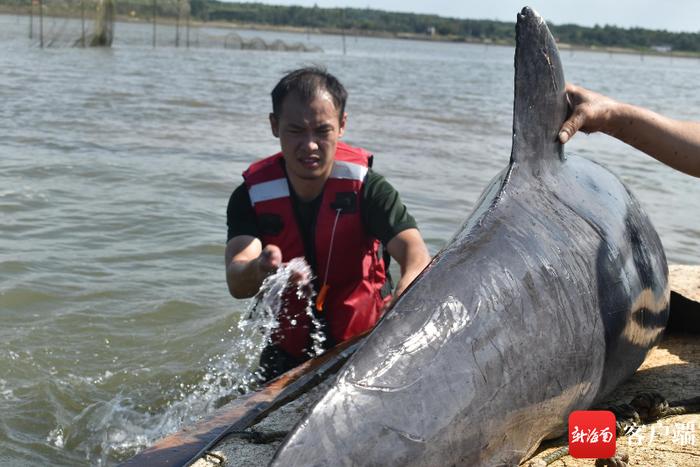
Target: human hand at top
[
  {"x": 591, "y": 112},
  {"x": 675, "y": 143}
]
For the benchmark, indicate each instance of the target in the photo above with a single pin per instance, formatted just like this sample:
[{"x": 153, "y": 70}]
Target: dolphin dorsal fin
[{"x": 540, "y": 105}]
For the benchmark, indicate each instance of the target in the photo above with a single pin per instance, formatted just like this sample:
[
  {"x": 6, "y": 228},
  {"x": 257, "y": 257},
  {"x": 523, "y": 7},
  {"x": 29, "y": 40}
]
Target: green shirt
[{"x": 383, "y": 213}]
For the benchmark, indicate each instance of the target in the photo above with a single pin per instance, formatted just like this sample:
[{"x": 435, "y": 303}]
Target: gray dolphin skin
[{"x": 548, "y": 296}]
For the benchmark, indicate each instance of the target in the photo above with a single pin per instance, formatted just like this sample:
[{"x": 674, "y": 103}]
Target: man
[
  {"x": 318, "y": 198},
  {"x": 675, "y": 143}
]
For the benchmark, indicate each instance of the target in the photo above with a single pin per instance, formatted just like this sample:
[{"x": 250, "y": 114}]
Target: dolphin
[{"x": 548, "y": 296}]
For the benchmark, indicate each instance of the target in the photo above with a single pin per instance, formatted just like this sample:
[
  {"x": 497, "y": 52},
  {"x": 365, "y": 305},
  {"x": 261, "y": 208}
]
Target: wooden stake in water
[
  {"x": 188, "y": 26},
  {"x": 41, "y": 23},
  {"x": 343, "y": 26},
  {"x": 31, "y": 19},
  {"x": 154, "y": 24},
  {"x": 177, "y": 23},
  {"x": 82, "y": 22}
]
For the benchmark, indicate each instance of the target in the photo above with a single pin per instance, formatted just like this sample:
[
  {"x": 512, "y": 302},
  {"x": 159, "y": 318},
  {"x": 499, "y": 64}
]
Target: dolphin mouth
[{"x": 527, "y": 12}]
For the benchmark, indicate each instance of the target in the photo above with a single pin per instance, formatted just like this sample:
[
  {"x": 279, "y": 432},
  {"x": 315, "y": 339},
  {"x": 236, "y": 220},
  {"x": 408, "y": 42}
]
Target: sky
[{"x": 672, "y": 15}]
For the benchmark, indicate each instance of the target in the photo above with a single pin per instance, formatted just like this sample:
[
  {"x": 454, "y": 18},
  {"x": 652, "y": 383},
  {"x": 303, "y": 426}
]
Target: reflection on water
[{"x": 116, "y": 169}]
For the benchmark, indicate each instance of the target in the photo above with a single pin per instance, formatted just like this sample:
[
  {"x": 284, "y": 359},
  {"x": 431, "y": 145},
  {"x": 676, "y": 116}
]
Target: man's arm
[
  {"x": 409, "y": 250},
  {"x": 248, "y": 263},
  {"x": 388, "y": 220},
  {"x": 676, "y": 143}
]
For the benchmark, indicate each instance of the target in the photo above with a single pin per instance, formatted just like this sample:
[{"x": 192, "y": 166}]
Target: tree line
[{"x": 376, "y": 21}]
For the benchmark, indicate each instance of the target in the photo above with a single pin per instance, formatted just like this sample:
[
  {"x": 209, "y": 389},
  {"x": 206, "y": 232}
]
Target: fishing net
[
  {"x": 104, "y": 25},
  {"x": 155, "y": 23},
  {"x": 233, "y": 40},
  {"x": 66, "y": 23}
]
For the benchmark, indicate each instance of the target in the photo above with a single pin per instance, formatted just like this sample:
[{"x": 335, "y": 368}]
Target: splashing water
[
  {"x": 255, "y": 328},
  {"x": 263, "y": 312},
  {"x": 226, "y": 376}
]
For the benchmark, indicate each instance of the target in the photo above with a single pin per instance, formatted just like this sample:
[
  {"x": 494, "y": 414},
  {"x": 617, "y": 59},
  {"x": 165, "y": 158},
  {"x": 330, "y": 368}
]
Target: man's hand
[
  {"x": 591, "y": 112},
  {"x": 675, "y": 143},
  {"x": 269, "y": 260},
  {"x": 247, "y": 264}
]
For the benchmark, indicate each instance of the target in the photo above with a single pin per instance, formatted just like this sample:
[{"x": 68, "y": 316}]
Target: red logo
[{"x": 592, "y": 434}]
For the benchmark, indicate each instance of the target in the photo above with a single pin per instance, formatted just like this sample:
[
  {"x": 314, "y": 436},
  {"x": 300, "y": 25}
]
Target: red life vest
[{"x": 354, "y": 302}]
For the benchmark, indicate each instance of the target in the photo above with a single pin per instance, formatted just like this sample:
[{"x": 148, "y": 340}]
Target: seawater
[
  {"x": 236, "y": 371},
  {"x": 115, "y": 169}
]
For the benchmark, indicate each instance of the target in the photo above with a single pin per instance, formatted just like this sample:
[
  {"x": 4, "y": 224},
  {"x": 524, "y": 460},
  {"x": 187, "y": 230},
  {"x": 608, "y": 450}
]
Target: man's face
[{"x": 308, "y": 133}]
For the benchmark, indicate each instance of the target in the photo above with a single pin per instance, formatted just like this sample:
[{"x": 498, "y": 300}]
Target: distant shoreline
[
  {"x": 455, "y": 40},
  {"x": 15, "y": 11}
]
